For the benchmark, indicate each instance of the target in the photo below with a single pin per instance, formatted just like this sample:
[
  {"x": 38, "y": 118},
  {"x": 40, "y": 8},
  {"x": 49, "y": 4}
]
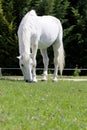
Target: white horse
[{"x": 39, "y": 32}]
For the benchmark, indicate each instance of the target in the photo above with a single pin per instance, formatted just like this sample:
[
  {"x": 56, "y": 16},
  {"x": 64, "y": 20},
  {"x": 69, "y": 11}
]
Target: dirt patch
[
  {"x": 66, "y": 78},
  {"x": 71, "y": 79}
]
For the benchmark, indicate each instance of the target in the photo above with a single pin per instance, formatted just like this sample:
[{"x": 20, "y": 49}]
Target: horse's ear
[{"x": 19, "y": 57}]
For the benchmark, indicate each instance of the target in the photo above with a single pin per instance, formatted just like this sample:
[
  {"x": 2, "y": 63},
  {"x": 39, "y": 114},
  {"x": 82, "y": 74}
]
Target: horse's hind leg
[
  {"x": 45, "y": 62},
  {"x": 56, "y": 59}
]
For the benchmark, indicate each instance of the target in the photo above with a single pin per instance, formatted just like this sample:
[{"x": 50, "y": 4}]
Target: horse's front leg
[
  {"x": 34, "y": 52},
  {"x": 34, "y": 70},
  {"x": 45, "y": 62}
]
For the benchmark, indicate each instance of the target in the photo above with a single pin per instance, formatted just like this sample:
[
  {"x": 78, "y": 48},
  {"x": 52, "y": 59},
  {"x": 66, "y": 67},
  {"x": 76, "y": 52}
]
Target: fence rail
[
  {"x": 67, "y": 71},
  {"x": 50, "y": 68}
]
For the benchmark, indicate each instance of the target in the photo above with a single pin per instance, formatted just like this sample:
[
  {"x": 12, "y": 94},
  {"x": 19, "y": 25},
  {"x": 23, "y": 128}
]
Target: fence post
[{"x": 0, "y": 72}]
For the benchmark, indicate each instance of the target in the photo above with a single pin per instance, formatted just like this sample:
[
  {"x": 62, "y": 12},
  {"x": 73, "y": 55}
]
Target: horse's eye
[{"x": 22, "y": 65}]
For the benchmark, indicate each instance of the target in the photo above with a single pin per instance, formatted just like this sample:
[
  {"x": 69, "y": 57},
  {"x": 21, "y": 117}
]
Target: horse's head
[{"x": 25, "y": 62}]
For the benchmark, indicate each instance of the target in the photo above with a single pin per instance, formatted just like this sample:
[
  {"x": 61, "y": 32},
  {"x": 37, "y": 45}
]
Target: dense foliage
[{"x": 73, "y": 15}]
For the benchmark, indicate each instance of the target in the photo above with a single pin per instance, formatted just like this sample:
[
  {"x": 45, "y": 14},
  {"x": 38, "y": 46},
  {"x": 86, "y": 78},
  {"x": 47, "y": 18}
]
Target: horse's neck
[
  {"x": 26, "y": 29},
  {"x": 24, "y": 49},
  {"x": 25, "y": 42}
]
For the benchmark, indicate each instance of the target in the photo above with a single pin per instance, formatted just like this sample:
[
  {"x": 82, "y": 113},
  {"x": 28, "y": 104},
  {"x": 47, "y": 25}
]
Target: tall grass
[{"x": 43, "y": 105}]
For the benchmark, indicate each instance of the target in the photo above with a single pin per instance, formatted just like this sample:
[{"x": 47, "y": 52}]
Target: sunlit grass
[{"x": 43, "y": 105}]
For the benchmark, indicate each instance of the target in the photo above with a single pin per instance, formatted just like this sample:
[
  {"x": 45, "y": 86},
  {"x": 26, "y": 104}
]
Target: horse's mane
[{"x": 26, "y": 17}]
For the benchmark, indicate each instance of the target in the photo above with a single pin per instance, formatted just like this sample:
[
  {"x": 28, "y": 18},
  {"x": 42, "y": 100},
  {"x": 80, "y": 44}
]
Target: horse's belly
[
  {"x": 47, "y": 40},
  {"x": 44, "y": 43}
]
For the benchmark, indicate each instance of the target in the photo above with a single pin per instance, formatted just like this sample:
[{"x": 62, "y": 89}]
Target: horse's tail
[
  {"x": 61, "y": 52},
  {"x": 61, "y": 58}
]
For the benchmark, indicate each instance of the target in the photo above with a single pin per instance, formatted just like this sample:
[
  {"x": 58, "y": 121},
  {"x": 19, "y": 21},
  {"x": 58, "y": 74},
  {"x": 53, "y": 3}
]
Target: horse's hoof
[
  {"x": 55, "y": 80},
  {"x": 43, "y": 80},
  {"x": 34, "y": 81}
]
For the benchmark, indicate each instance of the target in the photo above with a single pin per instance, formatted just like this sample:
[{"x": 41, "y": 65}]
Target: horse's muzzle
[{"x": 28, "y": 81}]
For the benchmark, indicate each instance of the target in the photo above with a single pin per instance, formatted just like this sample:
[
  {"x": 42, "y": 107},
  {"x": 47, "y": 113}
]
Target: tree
[
  {"x": 72, "y": 14},
  {"x": 60, "y": 9},
  {"x": 74, "y": 35},
  {"x": 8, "y": 38}
]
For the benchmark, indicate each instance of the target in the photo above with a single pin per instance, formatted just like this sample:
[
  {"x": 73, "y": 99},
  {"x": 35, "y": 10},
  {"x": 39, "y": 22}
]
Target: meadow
[{"x": 43, "y": 105}]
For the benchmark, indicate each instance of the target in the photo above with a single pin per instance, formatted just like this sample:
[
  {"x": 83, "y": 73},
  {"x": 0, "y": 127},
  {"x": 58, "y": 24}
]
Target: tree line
[{"x": 72, "y": 14}]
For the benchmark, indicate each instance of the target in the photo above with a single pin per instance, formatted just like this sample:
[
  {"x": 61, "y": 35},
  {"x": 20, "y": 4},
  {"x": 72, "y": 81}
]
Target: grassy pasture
[{"x": 43, "y": 105}]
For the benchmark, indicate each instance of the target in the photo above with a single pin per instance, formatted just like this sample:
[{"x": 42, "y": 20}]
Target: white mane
[{"x": 26, "y": 24}]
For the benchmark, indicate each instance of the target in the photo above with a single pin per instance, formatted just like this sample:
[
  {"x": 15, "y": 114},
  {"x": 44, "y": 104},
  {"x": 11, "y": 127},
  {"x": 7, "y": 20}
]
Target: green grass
[{"x": 43, "y": 105}]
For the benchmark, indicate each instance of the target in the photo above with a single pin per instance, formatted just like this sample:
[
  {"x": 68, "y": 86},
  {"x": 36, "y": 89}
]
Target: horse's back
[{"x": 45, "y": 29}]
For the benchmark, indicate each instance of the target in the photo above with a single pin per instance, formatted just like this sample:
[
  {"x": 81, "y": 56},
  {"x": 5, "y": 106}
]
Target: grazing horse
[{"x": 39, "y": 32}]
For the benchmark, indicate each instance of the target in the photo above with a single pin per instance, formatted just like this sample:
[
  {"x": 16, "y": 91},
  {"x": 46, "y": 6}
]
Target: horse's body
[{"x": 37, "y": 32}]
